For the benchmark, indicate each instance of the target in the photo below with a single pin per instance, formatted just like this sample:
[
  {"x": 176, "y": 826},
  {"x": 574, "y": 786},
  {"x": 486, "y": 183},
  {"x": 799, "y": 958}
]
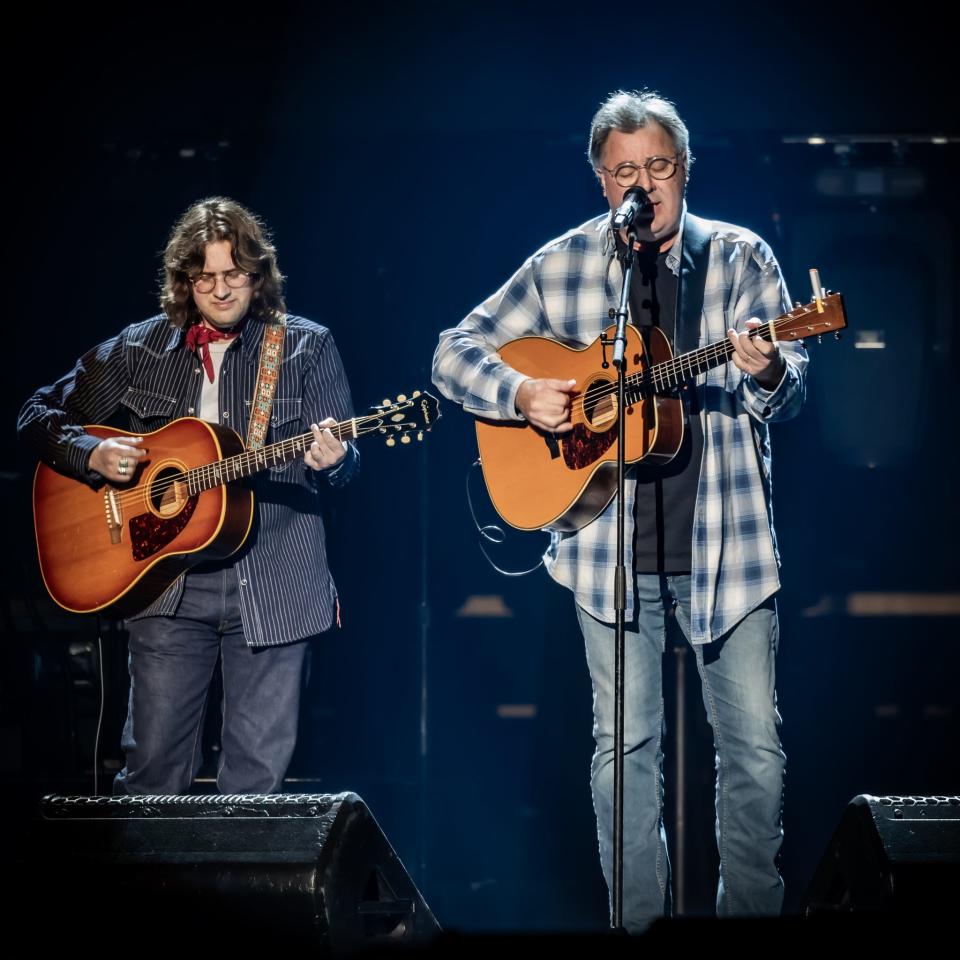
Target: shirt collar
[
  {"x": 608, "y": 243},
  {"x": 250, "y": 338}
]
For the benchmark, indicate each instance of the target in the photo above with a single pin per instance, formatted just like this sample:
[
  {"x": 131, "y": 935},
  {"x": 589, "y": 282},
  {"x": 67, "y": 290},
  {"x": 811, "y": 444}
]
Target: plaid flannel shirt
[{"x": 564, "y": 291}]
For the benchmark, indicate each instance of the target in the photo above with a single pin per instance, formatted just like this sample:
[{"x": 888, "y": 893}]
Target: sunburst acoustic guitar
[{"x": 121, "y": 546}]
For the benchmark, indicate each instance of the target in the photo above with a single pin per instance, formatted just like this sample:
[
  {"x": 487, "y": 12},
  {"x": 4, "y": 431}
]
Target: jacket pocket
[{"x": 151, "y": 410}]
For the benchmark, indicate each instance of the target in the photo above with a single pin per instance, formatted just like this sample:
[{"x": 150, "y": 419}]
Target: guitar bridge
[{"x": 111, "y": 504}]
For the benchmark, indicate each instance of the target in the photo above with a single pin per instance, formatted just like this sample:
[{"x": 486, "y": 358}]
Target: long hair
[{"x": 207, "y": 221}]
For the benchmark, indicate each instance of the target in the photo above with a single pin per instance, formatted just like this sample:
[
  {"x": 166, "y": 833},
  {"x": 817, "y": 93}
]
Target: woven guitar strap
[{"x": 271, "y": 354}]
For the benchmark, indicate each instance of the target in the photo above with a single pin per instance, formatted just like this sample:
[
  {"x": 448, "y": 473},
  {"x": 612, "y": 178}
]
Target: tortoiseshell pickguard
[
  {"x": 583, "y": 448},
  {"x": 150, "y": 533}
]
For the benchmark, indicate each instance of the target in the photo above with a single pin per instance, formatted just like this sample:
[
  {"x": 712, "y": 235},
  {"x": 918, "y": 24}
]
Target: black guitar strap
[{"x": 694, "y": 259}]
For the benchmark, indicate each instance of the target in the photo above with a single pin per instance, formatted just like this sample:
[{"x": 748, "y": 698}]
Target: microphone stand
[{"x": 619, "y": 344}]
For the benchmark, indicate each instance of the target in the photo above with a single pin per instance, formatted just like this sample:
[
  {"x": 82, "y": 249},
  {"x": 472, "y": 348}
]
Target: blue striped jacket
[
  {"x": 148, "y": 373},
  {"x": 564, "y": 291}
]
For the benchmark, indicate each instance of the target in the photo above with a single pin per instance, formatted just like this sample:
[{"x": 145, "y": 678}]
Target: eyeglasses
[
  {"x": 207, "y": 282},
  {"x": 659, "y": 168}
]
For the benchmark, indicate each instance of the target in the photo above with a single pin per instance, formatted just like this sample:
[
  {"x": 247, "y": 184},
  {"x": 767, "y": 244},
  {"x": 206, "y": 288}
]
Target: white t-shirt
[{"x": 210, "y": 392}]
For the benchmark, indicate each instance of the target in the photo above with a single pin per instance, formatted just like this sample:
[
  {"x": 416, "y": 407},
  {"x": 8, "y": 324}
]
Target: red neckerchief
[{"x": 199, "y": 335}]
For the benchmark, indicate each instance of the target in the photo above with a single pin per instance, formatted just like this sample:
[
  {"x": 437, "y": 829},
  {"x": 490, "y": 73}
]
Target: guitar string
[
  {"x": 656, "y": 376},
  {"x": 366, "y": 424},
  {"x": 678, "y": 367},
  {"x": 209, "y": 471},
  {"x": 676, "y": 364}
]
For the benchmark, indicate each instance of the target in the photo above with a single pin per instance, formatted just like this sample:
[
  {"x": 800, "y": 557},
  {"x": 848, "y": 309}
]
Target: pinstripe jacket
[
  {"x": 564, "y": 291},
  {"x": 147, "y": 373}
]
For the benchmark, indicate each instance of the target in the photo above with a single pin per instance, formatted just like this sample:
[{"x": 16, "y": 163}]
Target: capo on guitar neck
[{"x": 818, "y": 291}]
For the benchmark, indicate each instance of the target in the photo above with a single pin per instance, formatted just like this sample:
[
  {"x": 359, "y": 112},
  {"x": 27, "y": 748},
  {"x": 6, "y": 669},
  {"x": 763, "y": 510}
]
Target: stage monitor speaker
[
  {"x": 311, "y": 870},
  {"x": 890, "y": 854}
]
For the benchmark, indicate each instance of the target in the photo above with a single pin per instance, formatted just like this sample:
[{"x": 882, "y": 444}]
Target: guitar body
[
  {"x": 562, "y": 481},
  {"x": 120, "y": 546}
]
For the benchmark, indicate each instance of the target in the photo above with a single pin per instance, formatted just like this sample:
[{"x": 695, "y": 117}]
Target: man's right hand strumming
[
  {"x": 546, "y": 403},
  {"x": 116, "y": 459}
]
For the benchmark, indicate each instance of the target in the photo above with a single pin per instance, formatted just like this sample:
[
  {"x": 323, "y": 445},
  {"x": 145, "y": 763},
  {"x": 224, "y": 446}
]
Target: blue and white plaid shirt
[{"x": 564, "y": 292}]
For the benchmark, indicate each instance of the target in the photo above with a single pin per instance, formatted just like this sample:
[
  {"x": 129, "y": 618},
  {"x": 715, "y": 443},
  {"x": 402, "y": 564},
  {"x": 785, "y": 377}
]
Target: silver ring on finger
[{"x": 123, "y": 463}]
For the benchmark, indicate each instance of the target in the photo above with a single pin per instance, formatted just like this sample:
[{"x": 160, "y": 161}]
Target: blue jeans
[
  {"x": 737, "y": 683},
  {"x": 171, "y": 663}
]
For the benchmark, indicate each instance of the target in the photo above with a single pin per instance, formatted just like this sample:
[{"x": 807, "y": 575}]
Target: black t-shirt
[{"x": 666, "y": 494}]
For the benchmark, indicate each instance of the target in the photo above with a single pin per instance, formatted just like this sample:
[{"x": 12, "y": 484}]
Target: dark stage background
[{"x": 408, "y": 158}]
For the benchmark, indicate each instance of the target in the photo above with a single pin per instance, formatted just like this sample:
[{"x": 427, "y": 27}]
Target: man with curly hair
[{"x": 253, "y": 612}]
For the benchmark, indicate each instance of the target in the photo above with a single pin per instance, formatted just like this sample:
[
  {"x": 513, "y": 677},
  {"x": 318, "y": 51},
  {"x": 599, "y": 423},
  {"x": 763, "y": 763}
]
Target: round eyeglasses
[
  {"x": 207, "y": 282},
  {"x": 628, "y": 173}
]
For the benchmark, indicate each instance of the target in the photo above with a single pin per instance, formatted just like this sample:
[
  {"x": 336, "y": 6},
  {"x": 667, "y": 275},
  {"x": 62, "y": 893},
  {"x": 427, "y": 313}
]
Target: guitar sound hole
[
  {"x": 168, "y": 491},
  {"x": 600, "y": 404}
]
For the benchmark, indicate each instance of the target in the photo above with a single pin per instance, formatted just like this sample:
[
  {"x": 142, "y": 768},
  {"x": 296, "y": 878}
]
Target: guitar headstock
[
  {"x": 407, "y": 417},
  {"x": 819, "y": 316}
]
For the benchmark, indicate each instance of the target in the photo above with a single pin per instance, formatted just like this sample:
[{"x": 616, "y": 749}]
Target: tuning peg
[
  {"x": 419, "y": 434},
  {"x": 416, "y": 393},
  {"x": 405, "y": 438},
  {"x": 391, "y": 442},
  {"x": 386, "y": 402}
]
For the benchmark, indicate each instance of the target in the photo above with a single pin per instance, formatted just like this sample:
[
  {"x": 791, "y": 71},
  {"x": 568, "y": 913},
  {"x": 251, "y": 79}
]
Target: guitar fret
[
  {"x": 670, "y": 373},
  {"x": 130, "y": 530},
  {"x": 219, "y": 472}
]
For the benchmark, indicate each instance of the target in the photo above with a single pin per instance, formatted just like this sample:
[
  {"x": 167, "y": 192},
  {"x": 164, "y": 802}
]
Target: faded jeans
[
  {"x": 171, "y": 663},
  {"x": 737, "y": 675}
]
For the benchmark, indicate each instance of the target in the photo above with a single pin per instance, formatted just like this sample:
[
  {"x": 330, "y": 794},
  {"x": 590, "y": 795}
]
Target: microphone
[{"x": 635, "y": 208}]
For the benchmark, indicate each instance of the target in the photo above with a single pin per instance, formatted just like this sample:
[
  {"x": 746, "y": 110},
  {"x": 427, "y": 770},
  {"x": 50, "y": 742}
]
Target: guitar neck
[
  {"x": 665, "y": 376},
  {"x": 417, "y": 412},
  {"x": 249, "y": 462}
]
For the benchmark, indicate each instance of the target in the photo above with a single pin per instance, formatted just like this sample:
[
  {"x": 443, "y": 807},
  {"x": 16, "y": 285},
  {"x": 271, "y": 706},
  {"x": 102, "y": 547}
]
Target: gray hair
[{"x": 628, "y": 111}]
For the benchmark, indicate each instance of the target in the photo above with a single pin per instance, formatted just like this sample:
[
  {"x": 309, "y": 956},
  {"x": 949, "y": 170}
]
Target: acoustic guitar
[
  {"x": 122, "y": 545},
  {"x": 563, "y": 481}
]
